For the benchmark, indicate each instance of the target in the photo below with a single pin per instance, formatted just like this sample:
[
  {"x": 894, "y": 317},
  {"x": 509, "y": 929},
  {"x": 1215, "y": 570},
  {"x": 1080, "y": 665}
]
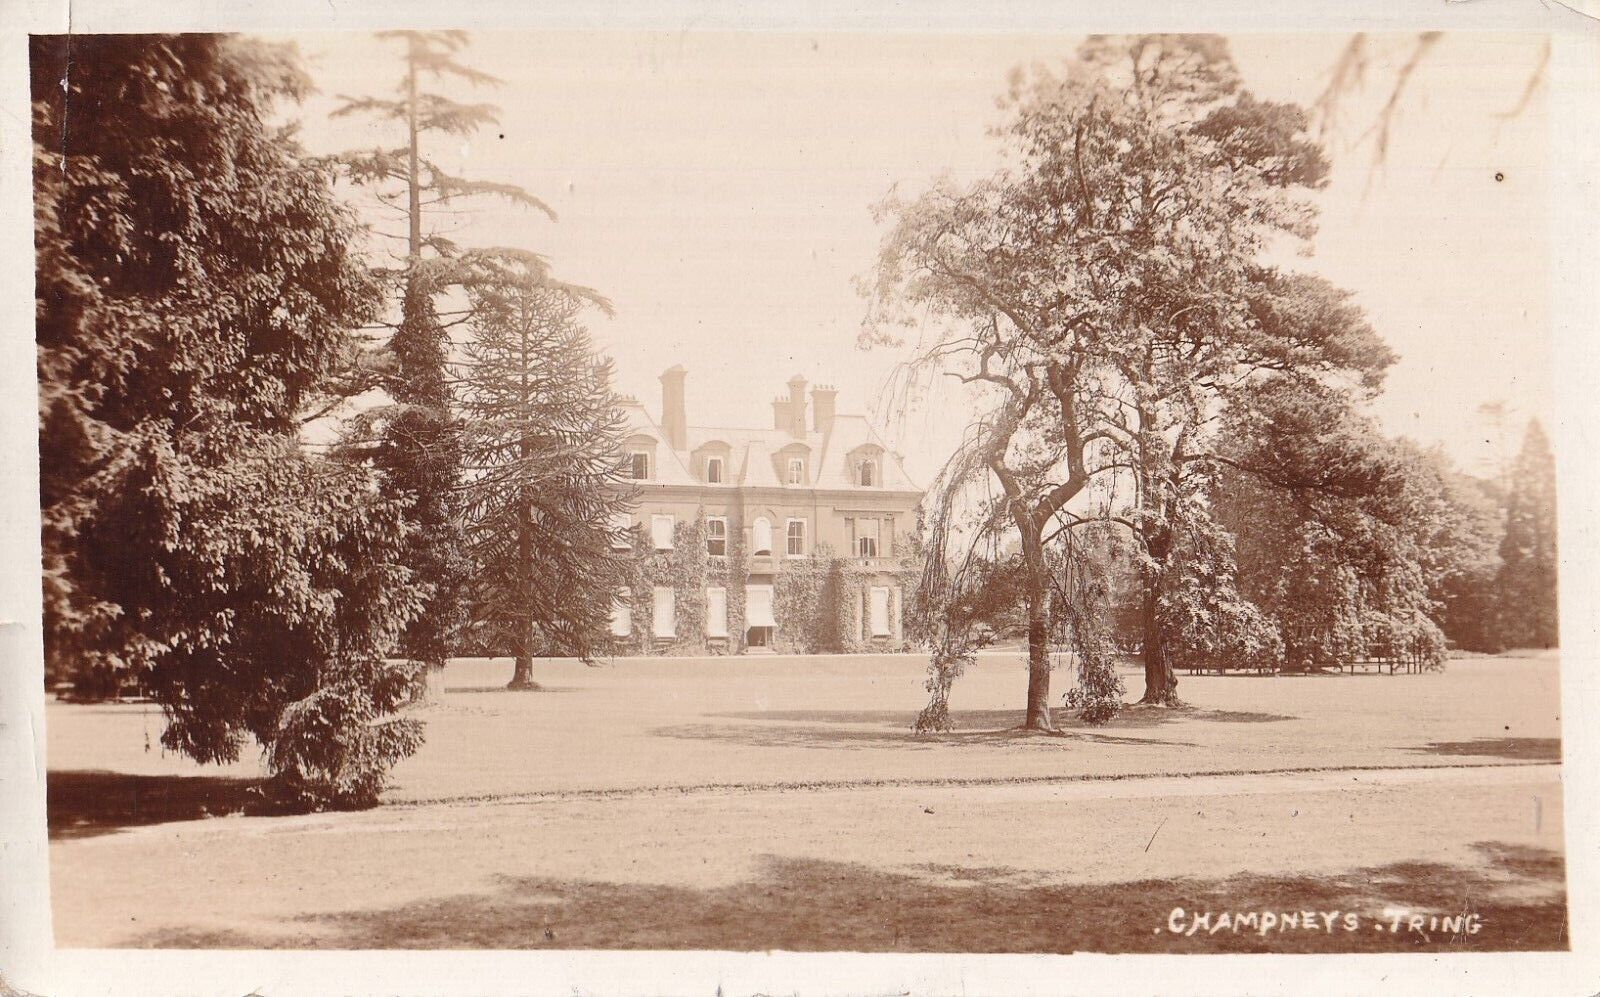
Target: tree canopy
[
  {"x": 1108, "y": 296},
  {"x": 197, "y": 282}
]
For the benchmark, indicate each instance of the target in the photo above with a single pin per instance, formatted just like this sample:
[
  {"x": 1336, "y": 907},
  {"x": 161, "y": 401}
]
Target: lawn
[{"x": 785, "y": 803}]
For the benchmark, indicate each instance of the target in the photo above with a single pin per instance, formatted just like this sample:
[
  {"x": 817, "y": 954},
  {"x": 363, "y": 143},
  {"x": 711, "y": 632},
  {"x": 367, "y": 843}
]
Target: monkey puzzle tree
[
  {"x": 418, "y": 449},
  {"x": 541, "y": 434}
]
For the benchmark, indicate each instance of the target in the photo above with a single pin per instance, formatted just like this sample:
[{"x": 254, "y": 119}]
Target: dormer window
[
  {"x": 714, "y": 470},
  {"x": 867, "y": 474},
  {"x": 797, "y": 471},
  {"x": 639, "y": 465}
]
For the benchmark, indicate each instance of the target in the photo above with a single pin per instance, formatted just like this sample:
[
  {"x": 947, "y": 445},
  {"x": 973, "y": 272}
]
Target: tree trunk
[
  {"x": 429, "y": 687},
  {"x": 1160, "y": 681},
  {"x": 522, "y": 678},
  {"x": 1038, "y": 717}
]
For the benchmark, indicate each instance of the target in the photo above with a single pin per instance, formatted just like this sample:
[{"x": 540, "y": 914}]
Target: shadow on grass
[
  {"x": 881, "y": 728},
  {"x": 778, "y": 735},
  {"x": 451, "y": 690},
  {"x": 1543, "y": 749},
  {"x": 1518, "y": 895},
  {"x": 85, "y": 803},
  {"x": 1132, "y": 717}
]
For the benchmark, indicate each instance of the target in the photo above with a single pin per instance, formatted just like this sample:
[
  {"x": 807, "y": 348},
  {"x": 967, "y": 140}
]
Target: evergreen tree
[
  {"x": 418, "y": 450},
  {"x": 541, "y": 431},
  {"x": 1527, "y": 580},
  {"x": 196, "y": 289}
]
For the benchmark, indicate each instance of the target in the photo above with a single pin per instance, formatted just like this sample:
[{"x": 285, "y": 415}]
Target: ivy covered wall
[{"x": 821, "y": 602}]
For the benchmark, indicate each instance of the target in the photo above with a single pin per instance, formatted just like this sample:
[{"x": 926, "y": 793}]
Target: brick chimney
[
  {"x": 673, "y": 421},
  {"x": 797, "y": 407},
  {"x": 823, "y": 398}
]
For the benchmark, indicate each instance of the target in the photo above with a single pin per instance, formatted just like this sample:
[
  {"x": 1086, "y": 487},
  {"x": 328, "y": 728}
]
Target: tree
[
  {"x": 541, "y": 434},
  {"x": 1347, "y": 540},
  {"x": 1107, "y": 297},
  {"x": 196, "y": 289},
  {"x": 1527, "y": 580},
  {"x": 418, "y": 450}
]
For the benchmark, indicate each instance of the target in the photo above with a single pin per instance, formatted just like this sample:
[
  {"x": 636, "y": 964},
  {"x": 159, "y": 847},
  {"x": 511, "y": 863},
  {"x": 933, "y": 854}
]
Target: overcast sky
[{"x": 717, "y": 187}]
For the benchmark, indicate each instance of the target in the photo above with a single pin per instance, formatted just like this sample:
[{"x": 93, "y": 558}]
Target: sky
[{"x": 718, "y": 188}]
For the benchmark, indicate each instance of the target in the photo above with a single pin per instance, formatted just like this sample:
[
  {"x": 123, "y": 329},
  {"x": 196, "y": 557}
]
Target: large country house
[{"x": 797, "y": 538}]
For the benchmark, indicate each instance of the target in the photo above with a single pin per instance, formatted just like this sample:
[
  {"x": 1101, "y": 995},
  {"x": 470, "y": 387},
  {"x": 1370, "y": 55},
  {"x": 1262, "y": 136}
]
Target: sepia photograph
[{"x": 783, "y": 491}]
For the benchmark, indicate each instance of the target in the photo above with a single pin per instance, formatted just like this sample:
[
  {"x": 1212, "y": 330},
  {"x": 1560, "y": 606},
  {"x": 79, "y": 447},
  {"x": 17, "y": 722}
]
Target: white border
[{"x": 25, "y": 960}]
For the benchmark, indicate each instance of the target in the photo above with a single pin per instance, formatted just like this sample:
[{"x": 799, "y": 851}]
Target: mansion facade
[{"x": 795, "y": 538}]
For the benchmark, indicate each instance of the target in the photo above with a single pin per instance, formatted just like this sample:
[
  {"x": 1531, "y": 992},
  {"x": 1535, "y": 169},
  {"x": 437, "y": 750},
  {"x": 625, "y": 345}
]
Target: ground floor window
[
  {"x": 666, "y": 612},
  {"x": 758, "y": 606},
  {"x": 716, "y": 612},
  {"x": 880, "y": 612}
]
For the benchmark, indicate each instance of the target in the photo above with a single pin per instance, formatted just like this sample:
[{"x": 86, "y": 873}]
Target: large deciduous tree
[
  {"x": 418, "y": 447},
  {"x": 1107, "y": 299},
  {"x": 196, "y": 289},
  {"x": 541, "y": 431}
]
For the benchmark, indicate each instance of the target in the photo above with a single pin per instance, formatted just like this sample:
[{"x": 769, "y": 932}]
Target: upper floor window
[
  {"x": 714, "y": 470},
  {"x": 867, "y": 537},
  {"x": 661, "y": 528},
  {"x": 639, "y": 465},
  {"x": 796, "y": 538},
  {"x": 761, "y": 536},
  {"x": 717, "y": 536},
  {"x": 797, "y": 471},
  {"x": 867, "y": 474}
]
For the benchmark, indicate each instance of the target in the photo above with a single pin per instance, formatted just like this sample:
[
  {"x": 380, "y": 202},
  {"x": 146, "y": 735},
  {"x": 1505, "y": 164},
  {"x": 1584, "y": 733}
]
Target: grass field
[{"x": 757, "y": 803}]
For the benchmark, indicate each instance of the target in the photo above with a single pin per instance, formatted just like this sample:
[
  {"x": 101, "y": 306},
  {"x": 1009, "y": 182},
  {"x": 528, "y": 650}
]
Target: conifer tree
[
  {"x": 197, "y": 287},
  {"x": 1527, "y": 580},
  {"x": 541, "y": 431},
  {"x": 417, "y": 449}
]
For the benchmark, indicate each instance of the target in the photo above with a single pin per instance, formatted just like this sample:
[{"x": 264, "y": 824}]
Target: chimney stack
[
  {"x": 673, "y": 420},
  {"x": 797, "y": 407},
  {"x": 780, "y": 413},
  {"x": 823, "y": 397}
]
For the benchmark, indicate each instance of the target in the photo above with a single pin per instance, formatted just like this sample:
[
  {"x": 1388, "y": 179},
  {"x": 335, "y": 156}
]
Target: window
[
  {"x": 639, "y": 465},
  {"x": 621, "y": 531},
  {"x": 622, "y": 613},
  {"x": 714, "y": 470},
  {"x": 717, "y": 536},
  {"x": 666, "y": 615},
  {"x": 661, "y": 531},
  {"x": 761, "y": 536},
  {"x": 866, "y": 538},
  {"x": 866, "y": 474},
  {"x": 880, "y": 612},
  {"x": 796, "y": 546},
  {"x": 797, "y": 471},
  {"x": 758, "y": 606},
  {"x": 716, "y": 612}
]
